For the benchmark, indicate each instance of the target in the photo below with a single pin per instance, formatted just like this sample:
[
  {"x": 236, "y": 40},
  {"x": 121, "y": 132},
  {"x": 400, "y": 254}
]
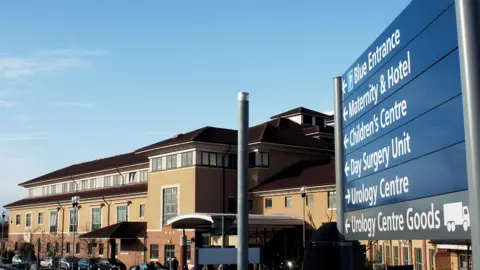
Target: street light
[
  {"x": 75, "y": 200},
  {"x": 303, "y": 190}
]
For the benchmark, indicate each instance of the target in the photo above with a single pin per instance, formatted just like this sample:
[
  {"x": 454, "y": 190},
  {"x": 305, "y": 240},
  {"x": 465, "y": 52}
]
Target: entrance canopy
[
  {"x": 199, "y": 220},
  {"x": 122, "y": 230}
]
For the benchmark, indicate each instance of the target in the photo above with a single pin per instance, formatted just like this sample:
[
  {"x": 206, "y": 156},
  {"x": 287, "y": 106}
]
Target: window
[
  {"x": 288, "y": 202},
  {"x": 56, "y": 248},
  {"x": 28, "y": 219},
  {"x": 73, "y": 187},
  {"x": 250, "y": 205},
  {"x": 153, "y": 252},
  {"x": 67, "y": 248},
  {"x": 131, "y": 177},
  {"x": 96, "y": 218},
  {"x": 142, "y": 210},
  {"x": 107, "y": 181},
  {"x": 169, "y": 252},
  {"x": 265, "y": 159},
  {"x": 309, "y": 199},
  {"x": 48, "y": 247},
  {"x": 73, "y": 220},
  {"x": 40, "y": 218},
  {"x": 143, "y": 176},
  {"x": 187, "y": 159},
  {"x": 64, "y": 187},
  {"x": 251, "y": 159},
  {"x": 93, "y": 183},
  {"x": 100, "y": 249},
  {"x": 77, "y": 248},
  {"x": 332, "y": 199},
  {"x": 157, "y": 164},
  {"x": 462, "y": 261},
  {"x": 53, "y": 222},
  {"x": 432, "y": 259},
  {"x": 307, "y": 119},
  {"x": 406, "y": 258},
  {"x": 15, "y": 246},
  {"x": 209, "y": 159},
  {"x": 43, "y": 191},
  {"x": 258, "y": 159},
  {"x": 53, "y": 189},
  {"x": 395, "y": 255},
  {"x": 171, "y": 162},
  {"x": 418, "y": 259},
  {"x": 122, "y": 213},
  {"x": 189, "y": 252},
  {"x": 268, "y": 203},
  {"x": 169, "y": 203},
  {"x": 380, "y": 254},
  {"x": 84, "y": 184},
  {"x": 116, "y": 180},
  {"x": 17, "y": 219},
  {"x": 387, "y": 255},
  {"x": 30, "y": 192},
  {"x": 116, "y": 248}
]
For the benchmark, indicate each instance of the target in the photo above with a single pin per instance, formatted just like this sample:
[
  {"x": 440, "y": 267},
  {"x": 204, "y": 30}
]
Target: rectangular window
[
  {"x": 93, "y": 183},
  {"x": 250, "y": 205},
  {"x": 387, "y": 255},
  {"x": 170, "y": 204},
  {"x": 107, "y": 181},
  {"x": 53, "y": 222},
  {"x": 64, "y": 187},
  {"x": 143, "y": 176},
  {"x": 418, "y": 259},
  {"x": 189, "y": 252},
  {"x": 265, "y": 159},
  {"x": 157, "y": 164},
  {"x": 122, "y": 213},
  {"x": 132, "y": 177},
  {"x": 30, "y": 192},
  {"x": 432, "y": 259},
  {"x": 406, "y": 258},
  {"x": 169, "y": 252},
  {"x": 288, "y": 202},
  {"x": 205, "y": 158},
  {"x": 380, "y": 254},
  {"x": 55, "y": 250},
  {"x": 100, "y": 249},
  {"x": 268, "y": 203},
  {"x": 116, "y": 180},
  {"x": 251, "y": 160},
  {"x": 17, "y": 219},
  {"x": 96, "y": 218},
  {"x": 142, "y": 210},
  {"x": 332, "y": 199},
  {"x": 73, "y": 187},
  {"x": 187, "y": 159},
  {"x": 84, "y": 184},
  {"x": 28, "y": 220},
  {"x": 53, "y": 189},
  {"x": 67, "y": 248},
  {"x": 153, "y": 252},
  {"x": 48, "y": 247},
  {"x": 44, "y": 192},
  {"x": 171, "y": 162},
  {"x": 77, "y": 248},
  {"x": 232, "y": 161},
  {"x": 395, "y": 255},
  {"x": 309, "y": 200},
  {"x": 116, "y": 248},
  {"x": 40, "y": 218},
  {"x": 73, "y": 221}
]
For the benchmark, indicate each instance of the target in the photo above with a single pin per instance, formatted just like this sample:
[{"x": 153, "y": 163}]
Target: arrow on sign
[
  {"x": 347, "y": 197},
  {"x": 347, "y": 226},
  {"x": 344, "y": 85},
  {"x": 347, "y": 168},
  {"x": 345, "y": 141},
  {"x": 345, "y": 114}
]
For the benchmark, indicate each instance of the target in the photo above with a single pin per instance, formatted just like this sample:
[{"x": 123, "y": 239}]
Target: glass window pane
[{"x": 205, "y": 158}]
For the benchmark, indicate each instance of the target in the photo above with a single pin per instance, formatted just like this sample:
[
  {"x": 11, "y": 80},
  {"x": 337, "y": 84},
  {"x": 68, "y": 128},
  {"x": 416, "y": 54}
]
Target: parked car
[
  {"x": 48, "y": 262},
  {"x": 87, "y": 263},
  {"x": 18, "y": 259},
  {"x": 68, "y": 263},
  {"x": 107, "y": 264}
]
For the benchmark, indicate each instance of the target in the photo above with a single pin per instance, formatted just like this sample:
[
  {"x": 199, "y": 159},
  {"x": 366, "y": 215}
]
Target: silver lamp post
[
  {"x": 75, "y": 200},
  {"x": 303, "y": 190}
]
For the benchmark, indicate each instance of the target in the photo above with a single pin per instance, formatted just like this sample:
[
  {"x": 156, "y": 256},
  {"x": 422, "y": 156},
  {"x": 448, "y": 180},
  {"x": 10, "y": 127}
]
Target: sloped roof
[
  {"x": 92, "y": 166},
  {"x": 122, "y": 230},
  {"x": 300, "y": 110},
  {"x": 318, "y": 172},
  {"x": 284, "y": 132},
  {"x": 84, "y": 194}
]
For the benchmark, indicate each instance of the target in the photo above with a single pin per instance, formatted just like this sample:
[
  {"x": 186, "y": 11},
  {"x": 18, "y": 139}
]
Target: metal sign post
[{"x": 242, "y": 182}]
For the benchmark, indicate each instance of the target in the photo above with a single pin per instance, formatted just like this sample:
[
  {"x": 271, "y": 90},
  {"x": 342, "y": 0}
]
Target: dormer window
[{"x": 307, "y": 119}]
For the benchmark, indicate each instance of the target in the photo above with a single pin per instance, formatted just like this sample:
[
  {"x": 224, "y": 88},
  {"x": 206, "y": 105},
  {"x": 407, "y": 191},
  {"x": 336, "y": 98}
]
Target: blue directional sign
[{"x": 403, "y": 131}]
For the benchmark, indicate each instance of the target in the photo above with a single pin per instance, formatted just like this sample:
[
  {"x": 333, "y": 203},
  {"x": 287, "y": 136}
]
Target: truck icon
[{"x": 456, "y": 214}]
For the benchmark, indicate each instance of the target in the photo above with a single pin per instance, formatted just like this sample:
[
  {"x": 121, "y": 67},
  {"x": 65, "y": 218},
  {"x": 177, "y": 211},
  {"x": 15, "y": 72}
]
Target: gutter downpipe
[
  {"x": 223, "y": 177},
  {"x": 63, "y": 225},
  {"x": 108, "y": 219}
]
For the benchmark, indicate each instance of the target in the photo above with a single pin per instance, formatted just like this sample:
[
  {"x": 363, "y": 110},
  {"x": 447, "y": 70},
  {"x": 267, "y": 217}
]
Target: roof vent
[{"x": 178, "y": 135}]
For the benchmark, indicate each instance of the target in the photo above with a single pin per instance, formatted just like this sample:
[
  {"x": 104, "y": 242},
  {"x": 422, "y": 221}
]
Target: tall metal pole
[
  {"x": 338, "y": 118},
  {"x": 468, "y": 44},
  {"x": 74, "y": 230},
  {"x": 3, "y": 224},
  {"x": 242, "y": 182}
]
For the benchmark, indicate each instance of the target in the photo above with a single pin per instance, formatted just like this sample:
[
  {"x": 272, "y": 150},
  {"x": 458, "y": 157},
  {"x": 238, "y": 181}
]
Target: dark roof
[
  {"x": 315, "y": 129},
  {"x": 122, "y": 230},
  {"x": 318, "y": 172},
  {"x": 86, "y": 194},
  {"x": 284, "y": 132},
  {"x": 300, "y": 110},
  {"x": 92, "y": 166}
]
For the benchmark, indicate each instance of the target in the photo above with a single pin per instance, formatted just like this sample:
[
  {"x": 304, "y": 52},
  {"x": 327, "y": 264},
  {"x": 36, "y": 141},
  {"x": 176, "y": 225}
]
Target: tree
[{"x": 89, "y": 246}]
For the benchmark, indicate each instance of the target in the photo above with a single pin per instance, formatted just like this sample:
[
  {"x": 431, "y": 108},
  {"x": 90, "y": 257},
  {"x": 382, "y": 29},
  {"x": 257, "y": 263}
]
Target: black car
[{"x": 107, "y": 264}]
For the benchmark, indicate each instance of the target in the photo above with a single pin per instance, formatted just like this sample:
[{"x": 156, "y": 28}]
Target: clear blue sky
[{"x": 88, "y": 79}]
